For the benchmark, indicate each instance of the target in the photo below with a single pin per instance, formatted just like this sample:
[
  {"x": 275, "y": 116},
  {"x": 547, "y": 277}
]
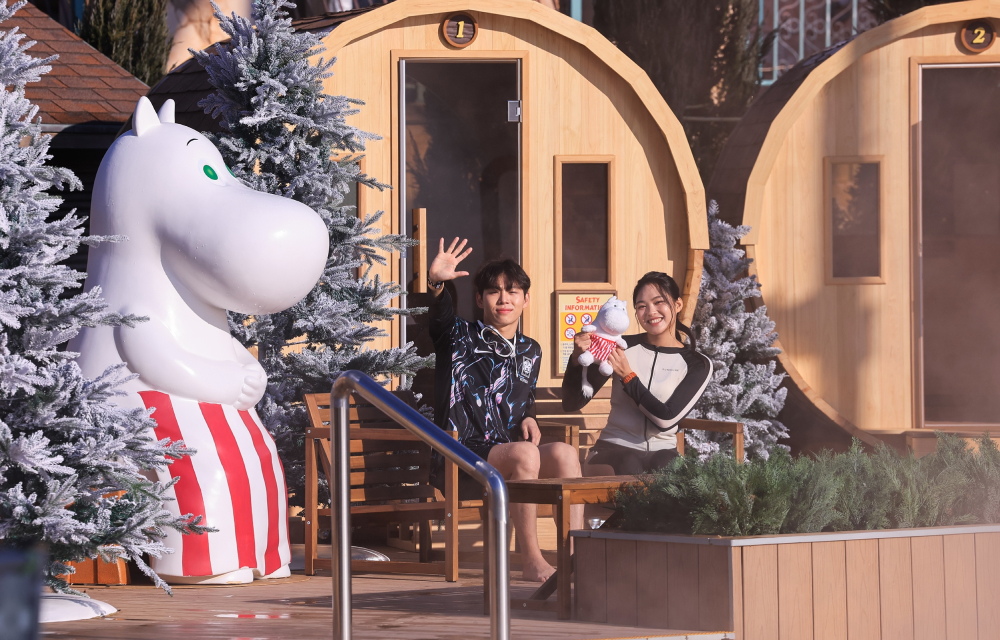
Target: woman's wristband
[{"x": 627, "y": 379}]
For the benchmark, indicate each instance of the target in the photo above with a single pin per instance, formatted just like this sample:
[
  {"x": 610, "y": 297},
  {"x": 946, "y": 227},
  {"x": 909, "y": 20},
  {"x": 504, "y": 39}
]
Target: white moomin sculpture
[{"x": 199, "y": 242}]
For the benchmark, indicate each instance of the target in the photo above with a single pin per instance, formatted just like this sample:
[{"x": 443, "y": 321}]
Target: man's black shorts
[{"x": 468, "y": 487}]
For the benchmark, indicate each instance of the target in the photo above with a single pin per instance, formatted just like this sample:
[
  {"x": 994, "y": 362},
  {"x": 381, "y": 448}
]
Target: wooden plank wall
[
  {"x": 937, "y": 587},
  {"x": 573, "y": 105},
  {"x": 653, "y": 584},
  {"x": 926, "y": 588},
  {"x": 851, "y": 343}
]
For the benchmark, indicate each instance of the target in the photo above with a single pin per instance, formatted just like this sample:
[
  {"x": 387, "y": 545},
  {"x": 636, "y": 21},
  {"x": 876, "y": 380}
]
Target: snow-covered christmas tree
[
  {"x": 282, "y": 134},
  {"x": 745, "y": 387},
  {"x": 66, "y": 450}
]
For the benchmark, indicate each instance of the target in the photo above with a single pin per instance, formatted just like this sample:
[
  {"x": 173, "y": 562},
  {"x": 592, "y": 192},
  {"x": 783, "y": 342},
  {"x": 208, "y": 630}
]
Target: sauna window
[
  {"x": 583, "y": 236},
  {"x": 351, "y": 198},
  {"x": 854, "y": 195}
]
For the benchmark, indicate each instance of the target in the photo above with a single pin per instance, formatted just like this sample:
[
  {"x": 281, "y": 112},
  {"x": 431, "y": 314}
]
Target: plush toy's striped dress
[
  {"x": 235, "y": 481},
  {"x": 601, "y": 347}
]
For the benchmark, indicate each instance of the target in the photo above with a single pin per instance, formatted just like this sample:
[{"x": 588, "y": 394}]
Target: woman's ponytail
[
  {"x": 667, "y": 287},
  {"x": 681, "y": 327}
]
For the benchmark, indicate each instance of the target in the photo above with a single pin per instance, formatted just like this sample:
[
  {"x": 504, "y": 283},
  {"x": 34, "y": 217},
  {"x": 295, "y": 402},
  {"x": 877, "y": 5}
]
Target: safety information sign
[{"x": 573, "y": 310}]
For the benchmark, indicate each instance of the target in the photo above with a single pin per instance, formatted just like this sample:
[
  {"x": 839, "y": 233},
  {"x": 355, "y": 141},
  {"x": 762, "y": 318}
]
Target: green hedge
[{"x": 848, "y": 491}]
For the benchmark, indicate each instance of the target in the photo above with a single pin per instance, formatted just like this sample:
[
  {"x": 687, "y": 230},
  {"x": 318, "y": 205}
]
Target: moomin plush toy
[
  {"x": 605, "y": 334},
  {"x": 196, "y": 243}
]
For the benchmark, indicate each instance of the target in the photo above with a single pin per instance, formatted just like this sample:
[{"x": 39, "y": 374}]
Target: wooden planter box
[{"x": 939, "y": 583}]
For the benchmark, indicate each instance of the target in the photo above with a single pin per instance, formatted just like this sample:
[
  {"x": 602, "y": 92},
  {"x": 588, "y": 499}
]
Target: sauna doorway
[
  {"x": 460, "y": 156},
  {"x": 959, "y": 234}
]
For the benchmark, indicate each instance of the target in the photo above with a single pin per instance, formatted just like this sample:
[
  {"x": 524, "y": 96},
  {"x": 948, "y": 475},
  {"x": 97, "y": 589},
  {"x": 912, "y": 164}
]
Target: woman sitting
[{"x": 657, "y": 381}]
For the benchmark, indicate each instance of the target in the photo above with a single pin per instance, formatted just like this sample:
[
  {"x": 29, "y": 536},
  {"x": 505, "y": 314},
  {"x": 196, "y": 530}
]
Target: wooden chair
[
  {"x": 390, "y": 484},
  {"x": 400, "y": 495}
]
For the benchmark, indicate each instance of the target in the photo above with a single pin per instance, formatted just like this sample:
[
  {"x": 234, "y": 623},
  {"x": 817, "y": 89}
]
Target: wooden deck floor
[{"x": 386, "y": 607}]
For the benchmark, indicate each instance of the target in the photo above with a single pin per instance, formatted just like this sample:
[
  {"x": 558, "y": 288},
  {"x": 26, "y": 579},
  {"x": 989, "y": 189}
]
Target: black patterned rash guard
[{"x": 481, "y": 389}]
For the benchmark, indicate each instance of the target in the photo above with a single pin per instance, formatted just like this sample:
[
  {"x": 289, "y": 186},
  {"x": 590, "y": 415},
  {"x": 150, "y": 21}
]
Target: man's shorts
[{"x": 468, "y": 487}]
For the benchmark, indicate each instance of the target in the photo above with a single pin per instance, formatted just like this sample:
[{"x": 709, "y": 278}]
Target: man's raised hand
[{"x": 444, "y": 265}]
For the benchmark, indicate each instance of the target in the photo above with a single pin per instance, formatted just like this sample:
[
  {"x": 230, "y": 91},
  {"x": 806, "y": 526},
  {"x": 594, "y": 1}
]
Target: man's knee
[{"x": 523, "y": 460}]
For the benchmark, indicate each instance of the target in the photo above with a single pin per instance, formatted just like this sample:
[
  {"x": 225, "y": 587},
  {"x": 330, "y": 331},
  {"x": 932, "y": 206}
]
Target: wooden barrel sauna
[{"x": 870, "y": 176}]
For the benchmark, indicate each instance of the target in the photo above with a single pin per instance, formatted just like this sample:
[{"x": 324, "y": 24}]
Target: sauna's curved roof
[{"x": 739, "y": 154}]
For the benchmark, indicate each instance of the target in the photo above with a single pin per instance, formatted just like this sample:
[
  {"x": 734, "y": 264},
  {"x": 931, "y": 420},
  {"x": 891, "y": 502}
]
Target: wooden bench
[{"x": 591, "y": 420}]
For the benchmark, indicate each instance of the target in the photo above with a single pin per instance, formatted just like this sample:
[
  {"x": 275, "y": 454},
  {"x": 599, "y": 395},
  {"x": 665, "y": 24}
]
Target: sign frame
[
  {"x": 454, "y": 41},
  {"x": 557, "y": 319},
  {"x": 985, "y": 27}
]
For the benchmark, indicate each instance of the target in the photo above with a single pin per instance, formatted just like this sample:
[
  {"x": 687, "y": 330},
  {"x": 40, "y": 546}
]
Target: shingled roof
[
  {"x": 84, "y": 86},
  {"x": 188, "y": 83}
]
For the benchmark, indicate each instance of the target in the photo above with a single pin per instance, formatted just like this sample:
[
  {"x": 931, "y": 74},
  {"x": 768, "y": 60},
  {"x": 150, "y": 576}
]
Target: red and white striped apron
[
  {"x": 601, "y": 347},
  {"x": 235, "y": 482}
]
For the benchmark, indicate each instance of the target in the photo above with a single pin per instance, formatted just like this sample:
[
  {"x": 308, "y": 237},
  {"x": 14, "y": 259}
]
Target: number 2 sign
[
  {"x": 459, "y": 30},
  {"x": 977, "y": 36}
]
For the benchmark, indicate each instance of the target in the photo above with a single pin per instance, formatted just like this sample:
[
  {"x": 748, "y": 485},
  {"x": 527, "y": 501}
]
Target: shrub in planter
[{"x": 855, "y": 490}]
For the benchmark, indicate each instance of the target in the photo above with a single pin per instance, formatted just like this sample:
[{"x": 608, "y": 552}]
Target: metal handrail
[{"x": 432, "y": 435}]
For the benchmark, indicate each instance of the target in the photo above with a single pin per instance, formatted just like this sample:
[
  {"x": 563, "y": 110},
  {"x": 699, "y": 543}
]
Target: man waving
[{"x": 484, "y": 388}]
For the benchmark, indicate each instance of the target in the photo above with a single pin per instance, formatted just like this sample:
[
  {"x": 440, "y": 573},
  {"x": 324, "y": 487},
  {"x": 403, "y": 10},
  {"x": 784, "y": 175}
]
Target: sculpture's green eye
[{"x": 210, "y": 172}]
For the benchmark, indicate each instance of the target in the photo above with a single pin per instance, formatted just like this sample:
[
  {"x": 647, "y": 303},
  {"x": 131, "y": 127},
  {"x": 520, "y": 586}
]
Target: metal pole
[
  {"x": 499, "y": 569},
  {"x": 829, "y": 25},
  {"x": 401, "y": 413},
  {"x": 576, "y": 10},
  {"x": 404, "y": 253},
  {"x": 777, "y": 42},
  {"x": 802, "y": 29},
  {"x": 340, "y": 511}
]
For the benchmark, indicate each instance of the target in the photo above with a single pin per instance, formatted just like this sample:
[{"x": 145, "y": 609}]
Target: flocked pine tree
[
  {"x": 66, "y": 449},
  {"x": 744, "y": 386},
  {"x": 282, "y": 134}
]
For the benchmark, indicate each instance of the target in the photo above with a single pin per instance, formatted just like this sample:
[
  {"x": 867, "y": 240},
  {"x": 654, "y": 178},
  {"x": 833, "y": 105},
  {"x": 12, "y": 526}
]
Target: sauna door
[
  {"x": 460, "y": 155},
  {"x": 959, "y": 229}
]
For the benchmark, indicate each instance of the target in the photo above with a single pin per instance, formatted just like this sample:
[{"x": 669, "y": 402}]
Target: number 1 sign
[{"x": 459, "y": 30}]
